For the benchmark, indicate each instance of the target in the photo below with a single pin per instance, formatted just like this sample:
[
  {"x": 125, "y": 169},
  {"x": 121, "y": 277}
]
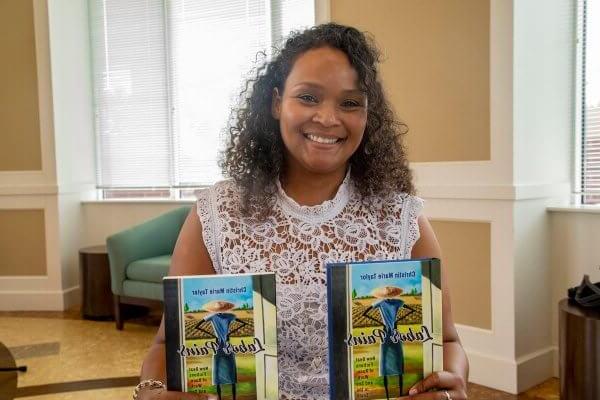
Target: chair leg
[{"x": 118, "y": 314}]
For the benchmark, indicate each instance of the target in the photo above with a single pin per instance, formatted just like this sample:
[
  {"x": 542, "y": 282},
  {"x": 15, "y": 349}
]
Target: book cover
[
  {"x": 385, "y": 327},
  {"x": 221, "y": 335}
]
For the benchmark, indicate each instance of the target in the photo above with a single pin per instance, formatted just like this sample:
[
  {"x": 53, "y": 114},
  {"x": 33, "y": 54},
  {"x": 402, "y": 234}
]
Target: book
[
  {"x": 385, "y": 327},
  {"x": 221, "y": 335}
]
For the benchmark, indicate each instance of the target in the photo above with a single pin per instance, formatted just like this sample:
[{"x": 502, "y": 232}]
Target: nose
[{"x": 326, "y": 115}]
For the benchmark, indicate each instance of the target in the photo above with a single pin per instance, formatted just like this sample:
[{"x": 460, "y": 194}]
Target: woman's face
[{"x": 322, "y": 112}]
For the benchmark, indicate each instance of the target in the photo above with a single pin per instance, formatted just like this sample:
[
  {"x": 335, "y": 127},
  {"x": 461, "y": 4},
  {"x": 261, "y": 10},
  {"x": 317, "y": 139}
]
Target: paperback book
[
  {"x": 221, "y": 335},
  {"x": 385, "y": 327}
]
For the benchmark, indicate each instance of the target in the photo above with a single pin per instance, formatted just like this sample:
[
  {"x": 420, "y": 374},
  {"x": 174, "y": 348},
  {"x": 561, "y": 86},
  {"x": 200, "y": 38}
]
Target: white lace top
[{"x": 295, "y": 242}]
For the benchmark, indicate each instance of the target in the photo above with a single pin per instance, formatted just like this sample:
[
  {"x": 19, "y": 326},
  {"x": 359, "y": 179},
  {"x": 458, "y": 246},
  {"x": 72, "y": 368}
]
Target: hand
[
  {"x": 442, "y": 381},
  {"x": 162, "y": 394}
]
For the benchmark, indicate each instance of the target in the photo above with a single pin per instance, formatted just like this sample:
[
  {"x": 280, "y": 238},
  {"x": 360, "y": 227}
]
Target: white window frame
[{"x": 580, "y": 193}]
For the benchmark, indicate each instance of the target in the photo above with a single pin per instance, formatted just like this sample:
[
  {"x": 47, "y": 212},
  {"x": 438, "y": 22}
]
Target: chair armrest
[{"x": 152, "y": 238}]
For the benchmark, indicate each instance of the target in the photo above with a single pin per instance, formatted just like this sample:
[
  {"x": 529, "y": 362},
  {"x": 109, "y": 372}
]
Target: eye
[
  {"x": 351, "y": 103},
  {"x": 308, "y": 98}
]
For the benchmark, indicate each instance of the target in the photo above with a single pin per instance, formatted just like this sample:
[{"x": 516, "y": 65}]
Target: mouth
[{"x": 322, "y": 139}]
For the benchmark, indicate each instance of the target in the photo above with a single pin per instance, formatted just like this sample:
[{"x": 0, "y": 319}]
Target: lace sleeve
[
  {"x": 205, "y": 210},
  {"x": 411, "y": 209}
]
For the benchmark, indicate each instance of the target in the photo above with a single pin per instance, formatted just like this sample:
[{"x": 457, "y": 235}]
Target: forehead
[{"x": 324, "y": 66}]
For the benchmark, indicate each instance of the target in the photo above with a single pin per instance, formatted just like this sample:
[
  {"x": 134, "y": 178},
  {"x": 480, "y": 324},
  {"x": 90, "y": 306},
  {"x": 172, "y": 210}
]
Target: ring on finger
[{"x": 447, "y": 395}]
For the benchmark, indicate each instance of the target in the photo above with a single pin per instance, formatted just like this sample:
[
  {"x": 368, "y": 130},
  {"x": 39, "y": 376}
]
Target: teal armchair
[{"x": 140, "y": 257}]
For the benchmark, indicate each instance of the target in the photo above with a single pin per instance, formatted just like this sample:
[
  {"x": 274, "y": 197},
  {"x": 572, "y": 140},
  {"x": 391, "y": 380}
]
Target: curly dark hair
[{"x": 254, "y": 153}]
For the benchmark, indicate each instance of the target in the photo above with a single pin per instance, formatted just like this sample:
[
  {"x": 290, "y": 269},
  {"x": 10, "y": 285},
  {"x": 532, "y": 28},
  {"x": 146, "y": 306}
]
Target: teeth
[{"x": 320, "y": 139}]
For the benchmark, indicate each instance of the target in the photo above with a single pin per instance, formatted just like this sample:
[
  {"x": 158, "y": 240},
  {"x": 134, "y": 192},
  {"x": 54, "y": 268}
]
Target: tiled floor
[{"x": 65, "y": 354}]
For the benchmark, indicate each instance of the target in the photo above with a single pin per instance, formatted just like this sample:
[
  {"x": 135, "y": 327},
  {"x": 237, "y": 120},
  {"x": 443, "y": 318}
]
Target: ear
[{"x": 276, "y": 104}]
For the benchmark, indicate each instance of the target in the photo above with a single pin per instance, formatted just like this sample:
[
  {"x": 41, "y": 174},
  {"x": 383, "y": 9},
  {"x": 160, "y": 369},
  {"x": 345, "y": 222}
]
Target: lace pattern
[{"x": 296, "y": 242}]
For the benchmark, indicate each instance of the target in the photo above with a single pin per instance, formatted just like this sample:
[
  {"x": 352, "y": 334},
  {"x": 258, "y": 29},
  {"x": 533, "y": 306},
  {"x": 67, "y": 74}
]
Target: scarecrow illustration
[
  {"x": 391, "y": 356},
  {"x": 224, "y": 370}
]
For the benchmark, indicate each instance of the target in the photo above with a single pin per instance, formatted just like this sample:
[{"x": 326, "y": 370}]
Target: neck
[{"x": 310, "y": 189}]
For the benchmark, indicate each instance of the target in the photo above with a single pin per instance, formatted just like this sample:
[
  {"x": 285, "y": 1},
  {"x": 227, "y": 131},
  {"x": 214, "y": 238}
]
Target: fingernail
[{"x": 412, "y": 391}]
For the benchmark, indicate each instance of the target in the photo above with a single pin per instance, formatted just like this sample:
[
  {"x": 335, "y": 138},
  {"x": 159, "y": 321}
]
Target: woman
[
  {"x": 318, "y": 174},
  {"x": 223, "y": 366},
  {"x": 391, "y": 353}
]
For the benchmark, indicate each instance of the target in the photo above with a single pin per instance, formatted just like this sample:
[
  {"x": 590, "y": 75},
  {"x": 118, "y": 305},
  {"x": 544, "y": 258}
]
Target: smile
[{"x": 322, "y": 139}]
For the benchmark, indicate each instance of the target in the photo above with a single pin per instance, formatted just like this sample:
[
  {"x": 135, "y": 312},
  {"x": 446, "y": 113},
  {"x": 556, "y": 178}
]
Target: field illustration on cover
[
  {"x": 228, "y": 336},
  {"x": 392, "y": 333}
]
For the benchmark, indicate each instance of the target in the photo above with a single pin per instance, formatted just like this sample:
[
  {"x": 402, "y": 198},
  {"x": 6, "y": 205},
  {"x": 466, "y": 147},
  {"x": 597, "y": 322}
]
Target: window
[
  {"x": 166, "y": 75},
  {"x": 588, "y": 109}
]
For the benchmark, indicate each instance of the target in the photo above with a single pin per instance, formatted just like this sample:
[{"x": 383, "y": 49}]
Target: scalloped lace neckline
[{"x": 320, "y": 212}]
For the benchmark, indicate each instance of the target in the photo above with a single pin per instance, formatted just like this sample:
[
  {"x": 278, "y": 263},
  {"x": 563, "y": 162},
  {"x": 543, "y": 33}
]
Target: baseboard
[
  {"x": 492, "y": 372},
  {"x": 535, "y": 368},
  {"x": 556, "y": 362},
  {"x": 512, "y": 376},
  {"x": 47, "y": 300},
  {"x": 71, "y": 297}
]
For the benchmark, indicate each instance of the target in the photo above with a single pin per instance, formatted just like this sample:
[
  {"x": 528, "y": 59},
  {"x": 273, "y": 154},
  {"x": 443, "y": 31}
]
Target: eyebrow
[{"x": 317, "y": 86}]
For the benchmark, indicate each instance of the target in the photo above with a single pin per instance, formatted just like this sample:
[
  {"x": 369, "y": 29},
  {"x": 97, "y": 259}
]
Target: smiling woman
[
  {"x": 322, "y": 86},
  {"x": 318, "y": 174},
  {"x": 322, "y": 113}
]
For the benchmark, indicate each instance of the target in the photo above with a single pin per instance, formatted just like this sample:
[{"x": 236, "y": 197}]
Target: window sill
[
  {"x": 139, "y": 201},
  {"x": 575, "y": 208}
]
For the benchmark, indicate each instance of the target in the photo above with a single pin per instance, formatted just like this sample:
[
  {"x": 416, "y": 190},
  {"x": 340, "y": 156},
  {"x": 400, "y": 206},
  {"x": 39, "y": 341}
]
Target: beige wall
[
  {"x": 466, "y": 251},
  {"x": 575, "y": 253},
  {"x": 436, "y": 70},
  {"x": 20, "y": 148},
  {"x": 44, "y": 151},
  {"x": 22, "y": 243},
  {"x": 104, "y": 218}
]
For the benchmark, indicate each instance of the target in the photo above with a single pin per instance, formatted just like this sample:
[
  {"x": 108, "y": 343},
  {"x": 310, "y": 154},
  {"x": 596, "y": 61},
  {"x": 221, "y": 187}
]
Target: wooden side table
[
  {"x": 579, "y": 348},
  {"x": 97, "y": 297},
  {"x": 8, "y": 379}
]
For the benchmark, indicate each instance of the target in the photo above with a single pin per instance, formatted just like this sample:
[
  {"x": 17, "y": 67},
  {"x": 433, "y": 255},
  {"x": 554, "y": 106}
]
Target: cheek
[
  {"x": 293, "y": 116},
  {"x": 357, "y": 124}
]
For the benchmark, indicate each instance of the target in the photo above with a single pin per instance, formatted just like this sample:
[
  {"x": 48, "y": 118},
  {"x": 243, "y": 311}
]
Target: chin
[{"x": 325, "y": 168}]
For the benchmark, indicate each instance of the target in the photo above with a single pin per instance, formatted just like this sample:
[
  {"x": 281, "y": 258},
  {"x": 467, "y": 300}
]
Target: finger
[
  {"x": 437, "y": 380},
  {"x": 424, "y": 396},
  {"x": 440, "y": 395},
  {"x": 165, "y": 395}
]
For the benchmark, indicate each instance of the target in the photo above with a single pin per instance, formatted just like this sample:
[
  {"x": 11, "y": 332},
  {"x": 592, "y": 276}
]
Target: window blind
[
  {"x": 130, "y": 93},
  {"x": 166, "y": 75},
  {"x": 590, "y": 102}
]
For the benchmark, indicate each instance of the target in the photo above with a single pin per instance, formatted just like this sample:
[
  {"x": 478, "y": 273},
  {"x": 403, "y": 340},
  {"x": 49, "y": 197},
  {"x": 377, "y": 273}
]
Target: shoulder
[
  {"x": 190, "y": 255},
  {"x": 427, "y": 245},
  {"x": 231, "y": 316},
  {"x": 400, "y": 203},
  {"x": 223, "y": 195},
  {"x": 411, "y": 202},
  {"x": 209, "y": 317}
]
